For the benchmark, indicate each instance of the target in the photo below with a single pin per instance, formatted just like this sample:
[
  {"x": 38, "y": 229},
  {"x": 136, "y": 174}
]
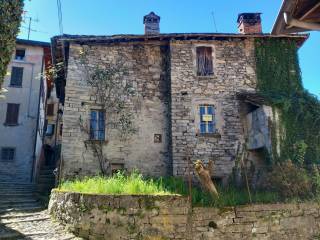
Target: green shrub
[{"x": 289, "y": 181}]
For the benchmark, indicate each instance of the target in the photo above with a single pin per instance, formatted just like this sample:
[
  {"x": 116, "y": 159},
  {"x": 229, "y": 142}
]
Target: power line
[{"x": 60, "y": 16}]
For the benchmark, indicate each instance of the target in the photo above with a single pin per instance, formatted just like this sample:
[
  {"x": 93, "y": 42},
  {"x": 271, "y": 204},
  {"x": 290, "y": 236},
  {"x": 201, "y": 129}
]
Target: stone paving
[{"x": 23, "y": 218}]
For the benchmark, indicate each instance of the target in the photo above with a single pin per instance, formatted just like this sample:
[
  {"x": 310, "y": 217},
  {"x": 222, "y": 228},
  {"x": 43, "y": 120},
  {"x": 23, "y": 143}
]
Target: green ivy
[
  {"x": 279, "y": 81},
  {"x": 10, "y": 18}
]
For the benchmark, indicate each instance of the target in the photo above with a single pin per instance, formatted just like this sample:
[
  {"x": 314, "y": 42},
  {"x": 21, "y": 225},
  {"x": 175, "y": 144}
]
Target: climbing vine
[
  {"x": 10, "y": 18},
  {"x": 279, "y": 81}
]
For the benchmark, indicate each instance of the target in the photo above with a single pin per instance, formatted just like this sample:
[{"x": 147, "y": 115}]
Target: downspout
[
  {"x": 30, "y": 91},
  {"x": 37, "y": 124}
]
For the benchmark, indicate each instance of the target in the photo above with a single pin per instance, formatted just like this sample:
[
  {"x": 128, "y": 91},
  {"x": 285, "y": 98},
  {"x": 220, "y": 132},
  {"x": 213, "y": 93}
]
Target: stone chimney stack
[
  {"x": 151, "y": 24},
  {"x": 249, "y": 23}
]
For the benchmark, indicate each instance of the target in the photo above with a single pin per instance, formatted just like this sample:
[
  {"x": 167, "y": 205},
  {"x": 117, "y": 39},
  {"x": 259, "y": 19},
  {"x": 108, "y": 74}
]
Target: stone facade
[
  {"x": 169, "y": 92},
  {"x": 170, "y": 217},
  {"x": 147, "y": 72},
  {"x": 233, "y": 72}
]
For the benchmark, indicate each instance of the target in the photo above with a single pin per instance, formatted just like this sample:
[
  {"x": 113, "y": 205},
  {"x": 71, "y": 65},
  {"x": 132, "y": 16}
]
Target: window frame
[
  {"x": 210, "y": 126},
  {"x": 94, "y": 135},
  {"x": 12, "y": 75},
  {"x": 20, "y": 59},
  {"x": 198, "y": 72},
  {"x": 8, "y": 160},
  {"x": 7, "y": 123}
]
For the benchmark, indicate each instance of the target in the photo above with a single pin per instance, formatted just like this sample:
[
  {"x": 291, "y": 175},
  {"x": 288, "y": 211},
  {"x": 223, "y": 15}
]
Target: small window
[
  {"x": 7, "y": 154},
  {"x": 204, "y": 61},
  {"x": 207, "y": 119},
  {"x": 12, "y": 114},
  {"x": 20, "y": 54},
  {"x": 97, "y": 125},
  {"x": 117, "y": 167},
  {"x": 50, "y": 129},
  {"x": 50, "y": 109},
  {"x": 61, "y": 128},
  {"x": 16, "y": 77}
]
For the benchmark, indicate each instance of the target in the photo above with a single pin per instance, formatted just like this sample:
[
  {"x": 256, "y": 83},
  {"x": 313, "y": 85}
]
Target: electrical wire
[{"x": 60, "y": 16}]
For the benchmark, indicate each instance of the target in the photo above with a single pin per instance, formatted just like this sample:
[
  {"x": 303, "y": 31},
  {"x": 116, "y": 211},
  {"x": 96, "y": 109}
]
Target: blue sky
[{"x": 107, "y": 17}]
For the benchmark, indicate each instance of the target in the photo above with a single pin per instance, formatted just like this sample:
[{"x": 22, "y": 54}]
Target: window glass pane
[
  {"x": 20, "y": 54},
  {"x": 210, "y": 127},
  {"x": 202, "y": 112},
  {"x": 97, "y": 125},
  {"x": 203, "y": 127}
]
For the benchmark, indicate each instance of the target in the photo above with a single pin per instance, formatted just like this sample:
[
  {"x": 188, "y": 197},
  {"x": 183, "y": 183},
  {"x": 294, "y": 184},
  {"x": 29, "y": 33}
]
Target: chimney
[
  {"x": 151, "y": 24},
  {"x": 249, "y": 23}
]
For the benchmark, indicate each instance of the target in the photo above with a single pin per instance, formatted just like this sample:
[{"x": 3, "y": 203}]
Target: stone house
[
  {"x": 22, "y": 112},
  {"x": 195, "y": 97}
]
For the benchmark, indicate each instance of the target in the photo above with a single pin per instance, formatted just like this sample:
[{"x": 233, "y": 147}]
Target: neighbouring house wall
[
  {"x": 147, "y": 69},
  {"x": 234, "y": 71},
  {"x": 22, "y": 136},
  {"x": 170, "y": 217}
]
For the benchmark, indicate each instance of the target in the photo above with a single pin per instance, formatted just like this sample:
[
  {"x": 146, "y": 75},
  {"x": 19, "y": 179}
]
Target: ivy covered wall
[{"x": 279, "y": 81}]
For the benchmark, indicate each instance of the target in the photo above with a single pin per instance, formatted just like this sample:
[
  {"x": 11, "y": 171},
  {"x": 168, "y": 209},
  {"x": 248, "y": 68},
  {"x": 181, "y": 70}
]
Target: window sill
[
  {"x": 95, "y": 141},
  {"x": 209, "y": 135},
  {"x": 11, "y": 124},
  {"x": 14, "y": 86}
]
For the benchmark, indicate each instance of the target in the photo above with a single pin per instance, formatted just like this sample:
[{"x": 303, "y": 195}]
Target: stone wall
[
  {"x": 170, "y": 217},
  {"x": 146, "y": 65},
  {"x": 234, "y": 71}
]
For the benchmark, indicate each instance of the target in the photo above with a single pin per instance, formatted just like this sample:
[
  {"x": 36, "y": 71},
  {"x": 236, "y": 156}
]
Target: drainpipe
[{"x": 37, "y": 124}]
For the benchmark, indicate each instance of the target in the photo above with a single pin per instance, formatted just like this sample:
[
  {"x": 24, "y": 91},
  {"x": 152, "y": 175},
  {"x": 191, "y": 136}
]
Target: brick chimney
[
  {"x": 249, "y": 23},
  {"x": 151, "y": 24}
]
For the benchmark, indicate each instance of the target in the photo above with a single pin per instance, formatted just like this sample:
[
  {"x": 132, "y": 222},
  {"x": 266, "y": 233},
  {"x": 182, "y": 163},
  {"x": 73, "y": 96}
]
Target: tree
[{"x": 10, "y": 18}]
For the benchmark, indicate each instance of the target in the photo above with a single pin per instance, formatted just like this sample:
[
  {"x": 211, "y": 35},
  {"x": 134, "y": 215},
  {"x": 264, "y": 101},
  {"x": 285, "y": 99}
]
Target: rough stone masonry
[{"x": 186, "y": 101}]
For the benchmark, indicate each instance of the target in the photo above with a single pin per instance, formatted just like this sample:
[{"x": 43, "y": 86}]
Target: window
[
  {"x": 116, "y": 167},
  {"x": 207, "y": 119},
  {"x": 20, "y": 54},
  {"x": 50, "y": 109},
  {"x": 61, "y": 128},
  {"x": 7, "y": 153},
  {"x": 50, "y": 130},
  {"x": 204, "y": 61},
  {"x": 12, "y": 114},
  {"x": 16, "y": 76},
  {"x": 97, "y": 125}
]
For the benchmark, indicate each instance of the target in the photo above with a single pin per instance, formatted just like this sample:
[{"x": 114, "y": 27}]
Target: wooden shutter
[
  {"x": 204, "y": 61},
  {"x": 16, "y": 76},
  {"x": 50, "y": 109},
  {"x": 12, "y": 114}
]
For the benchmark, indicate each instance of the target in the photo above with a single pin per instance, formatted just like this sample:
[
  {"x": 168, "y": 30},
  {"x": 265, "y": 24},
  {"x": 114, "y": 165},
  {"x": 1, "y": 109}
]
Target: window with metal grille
[
  {"x": 12, "y": 114},
  {"x": 204, "y": 61},
  {"x": 16, "y": 77},
  {"x": 207, "y": 119},
  {"x": 20, "y": 54},
  {"x": 97, "y": 125},
  {"x": 7, "y": 153},
  {"x": 50, "y": 109}
]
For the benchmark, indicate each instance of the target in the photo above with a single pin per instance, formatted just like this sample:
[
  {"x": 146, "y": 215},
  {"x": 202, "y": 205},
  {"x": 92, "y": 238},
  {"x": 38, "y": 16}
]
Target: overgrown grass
[
  {"x": 117, "y": 184},
  {"x": 136, "y": 184}
]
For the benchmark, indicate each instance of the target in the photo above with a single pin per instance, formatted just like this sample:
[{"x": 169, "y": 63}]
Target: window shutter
[
  {"x": 12, "y": 114},
  {"x": 50, "y": 109},
  {"x": 16, "y": 76},
  {"x": 204, "y": 61}
]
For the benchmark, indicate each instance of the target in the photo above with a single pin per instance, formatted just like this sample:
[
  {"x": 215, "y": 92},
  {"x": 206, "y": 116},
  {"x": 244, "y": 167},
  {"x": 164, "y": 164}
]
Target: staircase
[
  {"x": 23, "y": 217},
  {"x": 18, "y": 197},
  {"x": 46, "y": 180}
]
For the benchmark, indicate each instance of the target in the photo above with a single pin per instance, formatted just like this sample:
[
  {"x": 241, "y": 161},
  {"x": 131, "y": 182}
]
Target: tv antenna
[
  {"x": 31, "y": 20},
  {"x": 214, "y": 22}
]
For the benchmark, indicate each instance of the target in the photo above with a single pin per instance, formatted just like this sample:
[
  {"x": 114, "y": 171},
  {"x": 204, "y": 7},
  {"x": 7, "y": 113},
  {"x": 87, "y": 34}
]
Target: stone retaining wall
[{"x": 170, "y": 217}]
